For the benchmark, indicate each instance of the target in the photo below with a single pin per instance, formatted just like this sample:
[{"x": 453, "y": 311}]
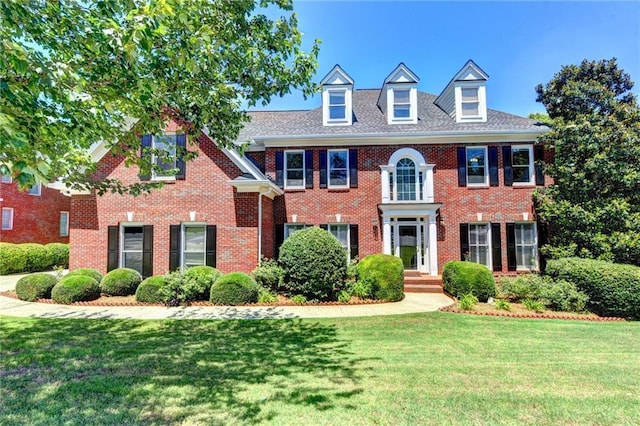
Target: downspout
[{"x": 259, "y": 226}]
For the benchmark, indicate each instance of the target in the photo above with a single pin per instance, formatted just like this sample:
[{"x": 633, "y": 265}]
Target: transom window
[
  {"x": 401, "y": 103},
  {"x": 338, "y": 168},
  {"x": 35, "y": 190},
  {"x": 522, "y": 164},
  {"x": 477, "y": 166},
  {"x": 290, "y": 228},
  {"x": 470, "y": 102},
  {"x": 7, "y": 218},
  {"x": 164, "y": 155},
  {"x": 341, "y": 232},
  {"x": 131, "y": 249},
  {"x": 526, "y": 246},
  {"x": 64, "y": 224},
  {"x": 193, "y": 245},
  {"x": 479, "y": 244},
  {"x": 294, "y": 169},
  {"x": 406, "y": 180},
  {"x": 337, "y": 105}
]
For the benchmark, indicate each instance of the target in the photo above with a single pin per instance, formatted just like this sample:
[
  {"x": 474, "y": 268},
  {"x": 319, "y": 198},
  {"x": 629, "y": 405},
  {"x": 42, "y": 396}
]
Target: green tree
[
  {"x": 593, "y": 207},
  {"x": 73, "y": 73}
]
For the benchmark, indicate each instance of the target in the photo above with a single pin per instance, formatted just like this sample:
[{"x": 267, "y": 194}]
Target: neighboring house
[
  {"x": 39, "y": 215},
  {"x": 427, "y": 178}
]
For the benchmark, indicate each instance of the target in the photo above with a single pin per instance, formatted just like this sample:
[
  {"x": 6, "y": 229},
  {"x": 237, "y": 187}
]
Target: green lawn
[{"x": 435, "y": 368}]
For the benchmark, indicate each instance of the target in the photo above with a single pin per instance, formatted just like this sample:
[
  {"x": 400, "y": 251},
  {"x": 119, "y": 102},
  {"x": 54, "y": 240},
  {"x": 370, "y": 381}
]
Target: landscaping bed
[{"x": 518, "y": 310}]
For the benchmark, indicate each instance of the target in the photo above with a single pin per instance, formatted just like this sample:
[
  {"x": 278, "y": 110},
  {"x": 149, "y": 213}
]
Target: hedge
[
  {"x": 613, "y": 289},
  {"x": 460, "y": 278},
  {"x": 31, "y": 257},
  {"x": 76, "y": 288},
  {"x": 384, "y": 274},
  {"x": 35, "y": 286},
  {"x": 120, "y": 282},
  {"x": 87, "y": 272},
  {"x": 149, "y": 290},
  {"x": 236, "y": 288}
]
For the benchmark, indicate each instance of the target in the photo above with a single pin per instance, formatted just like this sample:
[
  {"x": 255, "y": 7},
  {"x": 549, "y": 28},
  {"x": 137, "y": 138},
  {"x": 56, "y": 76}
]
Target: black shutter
[
  {"x": 324, "y": 226},
  {"x": 462, "y": 166},
  {"x": 212, "y": 236},
  {"x": 511, "y": 247},
  {"x": 538, "y": 157},
  {"x": 508, "y": 171},
  {"x": 112, "y": 247},
  {"x": 542, "y": 232},
  {"x": 174, "y": 247},
  {"x": 147, "y": 251},
  {"x": 145, "y": 145},
  {"x": 353, "y": 241},
  {"x": 279, "y": 238},
  {"x": 353, "y": 168},
  {"x": 181, "y": 149},
  {"x": 464, "y": 241},
  {"x": 496, "y": 247},
  {"x": 280, "y": 169},
  {"x": 308, "y": 169},
  {"x": 323, "y": 168},
  {"x": 493, "y": 166}
]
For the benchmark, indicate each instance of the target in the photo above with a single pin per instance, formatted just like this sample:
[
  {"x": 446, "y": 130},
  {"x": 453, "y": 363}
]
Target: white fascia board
[
  {"x": 265, "y": 187},
  {"x": 99, "y": 149}
]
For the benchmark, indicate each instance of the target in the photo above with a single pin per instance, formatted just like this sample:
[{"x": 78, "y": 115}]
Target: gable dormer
[
  {"x": 337, "y": 98},
  {"x": 399, "y": 96},
  {"x": 465, "y": 97}
]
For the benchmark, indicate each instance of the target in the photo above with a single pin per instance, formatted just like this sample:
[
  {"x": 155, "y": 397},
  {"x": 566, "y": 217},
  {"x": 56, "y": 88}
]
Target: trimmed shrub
[
  {"x": 236, "y": 288},
  {"x": 384, "y": 275},
  {"x": 59, "y": 254},
  {"x": 521, "y": 287},
  {"x": 35, "y": 286},
  {"x": 613, "y": 289},
  {"x": 561, "y": 295},
  {"x": 149, "y": 290},
  {"x": 460, "y": 278},
  {"x": 314, "y": 264},
  {"x": 269, "y": 274},
  {"x": 13, "y": 258},
  {"x": 86, "y": 272},
  {"x": 120, "y": 282},
  {"x": 38, "y": 257},
  {"x": 76, "y": 288},
  {"x": 197, "y": 282}
]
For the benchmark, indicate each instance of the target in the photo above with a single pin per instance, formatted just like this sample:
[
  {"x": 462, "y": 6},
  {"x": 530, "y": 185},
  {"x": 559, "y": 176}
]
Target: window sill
[
  {"x": 167, "y": 179},
  {"x": 295, "y": 189},
  {"x": 338, "y": 189},
  {"x": 524, "y": 184},
  {"x": 478, "y": 186}
]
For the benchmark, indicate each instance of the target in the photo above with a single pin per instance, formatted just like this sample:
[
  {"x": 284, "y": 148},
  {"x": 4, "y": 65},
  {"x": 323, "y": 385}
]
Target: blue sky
[{"x": 519, "y": 44}]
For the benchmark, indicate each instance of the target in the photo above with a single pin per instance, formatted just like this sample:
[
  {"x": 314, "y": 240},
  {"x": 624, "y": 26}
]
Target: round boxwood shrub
[
  {"x": 35, "y": 286},
  {"x": 460, "y": 278},
  {"x": 120, "y": 282},
  {"x": 13, "y": 258},
  {"x": 314, "y": 264},
  {"x": 149, "y": 290},
  {"x": 87, "y": 272},
  {"x": 197, "y": 281},
  {"x": 383, "y": 274},
  {"x": 76, "y": 288},
  {"x": 38, "y": 257},
  {"x": 59, "y": 254},
  {"x": 236, "y": 288}
]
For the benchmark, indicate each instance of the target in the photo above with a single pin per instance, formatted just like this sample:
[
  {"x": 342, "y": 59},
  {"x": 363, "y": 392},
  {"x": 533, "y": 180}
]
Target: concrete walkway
[{"x": 412, "y": 303}]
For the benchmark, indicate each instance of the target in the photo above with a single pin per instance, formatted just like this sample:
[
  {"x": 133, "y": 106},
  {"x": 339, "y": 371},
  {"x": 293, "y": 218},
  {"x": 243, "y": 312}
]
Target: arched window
[{"x": 406, "y": 179}]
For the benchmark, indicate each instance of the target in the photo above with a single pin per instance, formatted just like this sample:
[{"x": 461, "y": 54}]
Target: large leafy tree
[
  {"x": 593, "y": 207},
  {"x": 73, "y": 73}
]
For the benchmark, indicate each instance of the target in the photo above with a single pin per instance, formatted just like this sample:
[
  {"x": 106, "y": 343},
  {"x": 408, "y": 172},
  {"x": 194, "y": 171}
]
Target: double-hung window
[
  {"x": 338, "y": 168},
  {"x": 480, "y": 244},
  {"x": 526, "y": 246},
  {"x": 7, "y": 218},
  {"x": 470, "y": 102},
  {"x": 477, "y": 166},
  {"x": 294, "y": 169},
  {"x": 290, "y": 228},
  {"x": 341, "y": 232},
  {"x": 35, "y": 190},
  {"x": 131, "y": 248},
  {"x": 522, "y": 164},
  {"x": 64, "y": 224},
  {"x": 337, "y": 105},
  {"x": 164, "y": 156},
  {"x": 193, "y": 246},
  {"x": 401, "y": 103}
]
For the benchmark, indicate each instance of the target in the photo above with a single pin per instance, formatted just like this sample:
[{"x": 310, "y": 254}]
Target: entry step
[{"x": 416, "y": 282}]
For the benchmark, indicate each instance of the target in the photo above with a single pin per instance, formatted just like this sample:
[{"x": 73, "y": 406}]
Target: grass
[{"x": 437, "y": 368}]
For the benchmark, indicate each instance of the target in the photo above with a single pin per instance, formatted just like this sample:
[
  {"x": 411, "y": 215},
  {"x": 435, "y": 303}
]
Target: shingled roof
[{"x": 369, "y": 120}]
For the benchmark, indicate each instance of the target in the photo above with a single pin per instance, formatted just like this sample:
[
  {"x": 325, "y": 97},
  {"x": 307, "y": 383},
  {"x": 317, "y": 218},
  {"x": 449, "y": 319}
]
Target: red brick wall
[{"x": 36, "y": 219}]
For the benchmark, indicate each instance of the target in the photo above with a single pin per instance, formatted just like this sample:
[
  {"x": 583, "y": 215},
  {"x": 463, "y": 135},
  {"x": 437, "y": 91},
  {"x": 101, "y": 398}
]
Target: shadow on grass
[{"x": 140, "y": 372}]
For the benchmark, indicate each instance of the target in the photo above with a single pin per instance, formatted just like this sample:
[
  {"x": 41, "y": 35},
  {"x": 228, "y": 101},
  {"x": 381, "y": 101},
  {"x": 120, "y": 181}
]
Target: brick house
[
  {"x": 428, "y": 178},
  {"x": 39, "y": 215}
]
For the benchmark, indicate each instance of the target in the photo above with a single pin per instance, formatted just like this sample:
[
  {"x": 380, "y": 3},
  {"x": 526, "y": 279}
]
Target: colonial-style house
[{"x": 428, "y": 178}]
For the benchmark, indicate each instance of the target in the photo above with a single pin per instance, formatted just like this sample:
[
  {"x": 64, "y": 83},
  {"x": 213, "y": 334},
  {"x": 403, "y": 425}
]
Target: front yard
[{"x": 438, "y": 368}]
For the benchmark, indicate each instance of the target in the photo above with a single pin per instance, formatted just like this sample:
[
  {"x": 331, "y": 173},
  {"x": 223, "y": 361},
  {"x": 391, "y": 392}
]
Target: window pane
[
  {"x": 193, "y": 259},
  {"x": 476, "y": 165},
  {"x": 401, "y": 111},
  {"x": 470, "y": 108},
  {"x": 35, "y": 189},
  {"x": 401, "y": 96},
  {"x": 294, "y": 160},
  {"x": 194, "y": 238},
  {"x": 132, "y": 238},
  {"x": 336, "y": 112},
  {"x": 521, "y": 174},
  {"x": 338, "y": 178},
  {"x": 469, "y": 94},
  {"x": 338, "y": 159},
  {"x": 6, "y": 218},
  {"x": 479, "y": 248},
  {"x": 166, "y": 161},
  {"x": 291, "y": 228},
  {"x": 132, "y": 260},
  {"x": 520, "y": 157},
  {"x": 6, "y": 179},
  {"x": 64, "y": 224},
  {"x": 336, "y": 98}
]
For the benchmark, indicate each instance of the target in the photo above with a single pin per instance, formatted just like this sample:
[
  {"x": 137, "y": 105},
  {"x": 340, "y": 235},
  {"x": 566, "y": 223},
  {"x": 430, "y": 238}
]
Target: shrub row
[
  {"x": 29, "y": 257},
  {"x": 613, "y": 289},
  {"x": 557, "y": 295}
]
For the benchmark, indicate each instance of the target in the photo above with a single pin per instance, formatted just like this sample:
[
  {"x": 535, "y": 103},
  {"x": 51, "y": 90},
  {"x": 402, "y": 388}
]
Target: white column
[
  {"x": 428, "y": 184},
  {"x": 419, "y": 254},
  {"x": 433, "y": 245},
  {"x": 384, "y": 184},
  {"x": 386, "y": 235}
]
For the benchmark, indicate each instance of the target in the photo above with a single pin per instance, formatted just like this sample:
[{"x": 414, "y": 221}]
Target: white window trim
[
  {"x": 329, "y": 185},
  {"x": 348, "y": 248},
  {"x": 38, "y": 191},
  {"x": 486, "y": 166},
  {"x": 534, "y": 244},
  {"x": 304, "y": 170},
  {"x": 183, "y": 242},
  {"x": 413, "y": 103},
  {"x": 348, "y": 107},
  {"x": 288, "y": 225},
  {"x": 64, "y": 232},
  {"x": 488, "y": 245},
  {"x": 7, "y": 179},
  {"x": 10, "y": 225},
  {"x": 389, "y": 190},
  {"x": 121, "y": 242},
  {"x": 532, "y": 169},
  {"x": 482, "y": 101},
  {"x": 154, "y": 176},
  {"x": 401, "y": 104}
]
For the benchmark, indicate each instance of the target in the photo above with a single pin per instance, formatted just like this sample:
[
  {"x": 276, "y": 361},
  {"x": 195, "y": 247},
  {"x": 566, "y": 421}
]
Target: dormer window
[
  {"x": 337, "y": 105},
  {"x": 401, "y": 103},
  {"x": 398, "y": 98},
  {"x": 465, "y": 97},
  {"x": 337, "y": 94},
  {"x": 470, "y": 102}
]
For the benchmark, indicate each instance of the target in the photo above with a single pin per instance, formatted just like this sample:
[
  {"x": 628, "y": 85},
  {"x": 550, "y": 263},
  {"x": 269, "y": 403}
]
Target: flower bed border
[{"x": 455, "y": 310}]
